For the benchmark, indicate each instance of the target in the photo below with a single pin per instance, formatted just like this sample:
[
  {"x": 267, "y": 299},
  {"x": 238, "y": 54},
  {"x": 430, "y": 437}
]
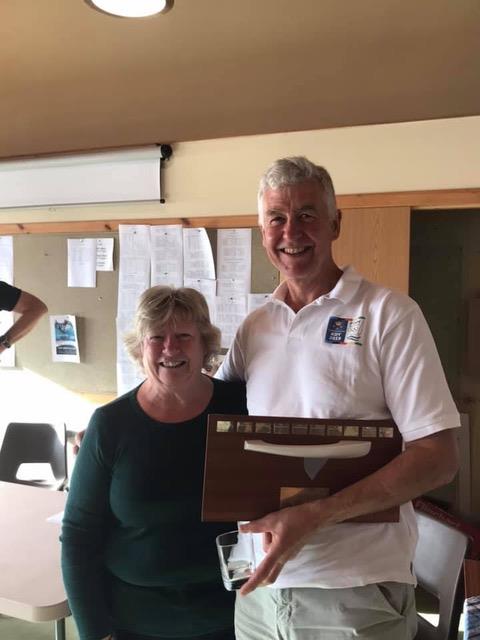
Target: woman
[{"x": 137, "y": 562}]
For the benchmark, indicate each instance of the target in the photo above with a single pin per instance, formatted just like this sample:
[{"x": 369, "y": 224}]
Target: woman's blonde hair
[{"x": 160, "y": 305}]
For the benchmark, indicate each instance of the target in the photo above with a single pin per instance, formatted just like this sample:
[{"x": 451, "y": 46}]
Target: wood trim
[
  {"x": 105, "y": 226},
  {"x": 435, "y": 199}
]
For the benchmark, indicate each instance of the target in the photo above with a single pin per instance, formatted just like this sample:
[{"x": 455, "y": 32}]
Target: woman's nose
[{"x": 170, "y": 344}]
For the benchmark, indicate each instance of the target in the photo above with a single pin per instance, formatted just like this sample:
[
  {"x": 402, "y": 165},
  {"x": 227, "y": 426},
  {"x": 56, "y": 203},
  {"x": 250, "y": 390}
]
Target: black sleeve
[
  {"x": 8, "y": 296},
  {"x": 230, "y": 397}
]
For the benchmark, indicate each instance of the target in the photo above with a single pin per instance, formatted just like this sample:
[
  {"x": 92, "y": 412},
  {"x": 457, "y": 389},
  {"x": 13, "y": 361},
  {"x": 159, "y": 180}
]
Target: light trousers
[{"x": 383, "y": 611}]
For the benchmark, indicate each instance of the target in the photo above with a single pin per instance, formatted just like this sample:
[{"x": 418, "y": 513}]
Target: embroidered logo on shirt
[{"x": 345, "y": 330}]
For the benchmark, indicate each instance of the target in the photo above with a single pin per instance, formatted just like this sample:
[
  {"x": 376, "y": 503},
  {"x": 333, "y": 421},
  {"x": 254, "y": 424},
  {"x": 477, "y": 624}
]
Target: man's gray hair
[{"x": 293, "y": 170}]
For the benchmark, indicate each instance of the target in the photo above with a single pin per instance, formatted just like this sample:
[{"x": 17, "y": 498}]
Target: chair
[
  {"x": 30, "y": 442},
  {"x": 438, "y": 566}
]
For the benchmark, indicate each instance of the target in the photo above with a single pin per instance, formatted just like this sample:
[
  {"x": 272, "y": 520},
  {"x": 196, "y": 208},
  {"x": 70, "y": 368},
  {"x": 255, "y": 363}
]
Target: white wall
[{"x": 219, "y": 177}]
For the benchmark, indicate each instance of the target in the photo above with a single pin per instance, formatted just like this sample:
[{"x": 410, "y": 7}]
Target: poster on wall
[{"x": 63, "y": 333}]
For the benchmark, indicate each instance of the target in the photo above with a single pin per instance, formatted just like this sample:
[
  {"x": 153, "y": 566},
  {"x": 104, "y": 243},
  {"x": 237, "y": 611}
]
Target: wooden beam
[
  {"x": 435, "y": 199},
  {"x": 105, "y": 226}
]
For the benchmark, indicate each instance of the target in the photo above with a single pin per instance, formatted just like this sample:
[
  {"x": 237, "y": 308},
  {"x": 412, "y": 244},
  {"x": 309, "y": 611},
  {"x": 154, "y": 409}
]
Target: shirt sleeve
[
  {"x": 9, "y": 296},
  {"x": 416, "y": 391},
  {"x": 84, "y": 529},
  {"x": 233, "y": 365}
]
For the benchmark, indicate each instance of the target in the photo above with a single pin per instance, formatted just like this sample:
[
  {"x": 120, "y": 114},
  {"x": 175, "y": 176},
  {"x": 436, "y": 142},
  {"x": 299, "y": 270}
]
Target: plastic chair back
[
  {"x": 31, "y": 442},
  {"x": 438, "y": 566}
]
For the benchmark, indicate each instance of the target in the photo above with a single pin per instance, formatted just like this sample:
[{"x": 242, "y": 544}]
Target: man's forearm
[
  {"x": 424, "y": 465},
  {"x": 31, "y": 309},
  {"x": 22, "y": 326}
]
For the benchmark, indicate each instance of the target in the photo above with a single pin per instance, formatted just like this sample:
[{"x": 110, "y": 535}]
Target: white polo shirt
[{"x": 360, "y": 351}]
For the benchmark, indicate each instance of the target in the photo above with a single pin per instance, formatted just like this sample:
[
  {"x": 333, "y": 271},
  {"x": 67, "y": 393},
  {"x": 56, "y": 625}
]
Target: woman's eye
[
  {"x": 184, "y": 336},
  {"x": 155, "y": 338}
]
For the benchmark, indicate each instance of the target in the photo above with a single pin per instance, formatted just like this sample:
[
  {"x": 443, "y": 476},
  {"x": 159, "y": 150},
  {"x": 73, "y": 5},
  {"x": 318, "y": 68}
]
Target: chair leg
[{"x": 60, "y": 629}]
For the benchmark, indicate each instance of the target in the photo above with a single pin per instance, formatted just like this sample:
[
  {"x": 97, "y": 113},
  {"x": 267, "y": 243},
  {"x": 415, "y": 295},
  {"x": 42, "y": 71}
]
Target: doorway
[{"x": 445, "y": 282}]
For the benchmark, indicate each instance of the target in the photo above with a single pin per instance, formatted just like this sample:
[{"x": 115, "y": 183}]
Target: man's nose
[{"x": 291, "y": 228}]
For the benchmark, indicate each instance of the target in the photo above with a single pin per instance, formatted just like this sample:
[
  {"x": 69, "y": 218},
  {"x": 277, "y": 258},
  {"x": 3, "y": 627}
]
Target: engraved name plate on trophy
[{"x": 258, "y": 464}]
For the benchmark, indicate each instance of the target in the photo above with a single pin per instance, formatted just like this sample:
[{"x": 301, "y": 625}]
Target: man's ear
[{"x": 336, "y": 224}]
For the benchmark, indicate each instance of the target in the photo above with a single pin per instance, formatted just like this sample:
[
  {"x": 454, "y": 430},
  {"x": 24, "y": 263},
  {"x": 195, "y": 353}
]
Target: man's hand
[
  {"x": 78, "y": 441},
  {"x": 284, "y": 533},
  {"x": 425, "y": 464}
]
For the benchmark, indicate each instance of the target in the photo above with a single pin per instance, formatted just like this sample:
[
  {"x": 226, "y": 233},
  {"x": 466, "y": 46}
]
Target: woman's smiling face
[{"x": 173, "y": 352}]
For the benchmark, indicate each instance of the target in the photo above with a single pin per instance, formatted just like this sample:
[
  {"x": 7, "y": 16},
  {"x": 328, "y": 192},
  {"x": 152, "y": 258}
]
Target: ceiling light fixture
[{"x": 131, "y": 8}]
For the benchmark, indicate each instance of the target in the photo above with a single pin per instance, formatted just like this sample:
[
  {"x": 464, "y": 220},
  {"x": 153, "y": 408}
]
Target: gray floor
[{"x": 12, "y": 629}]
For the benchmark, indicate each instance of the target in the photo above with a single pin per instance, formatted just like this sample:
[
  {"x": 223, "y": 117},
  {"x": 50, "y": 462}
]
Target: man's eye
[
  {"x": 306, "y": 216},
  {"x": 275, "y": 221}
]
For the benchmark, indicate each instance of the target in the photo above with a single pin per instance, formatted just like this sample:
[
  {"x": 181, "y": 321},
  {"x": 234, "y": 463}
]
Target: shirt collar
[{"x": 344, "y": 290}]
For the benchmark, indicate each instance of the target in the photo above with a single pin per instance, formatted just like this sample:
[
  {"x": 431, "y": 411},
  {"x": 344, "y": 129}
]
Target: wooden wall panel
[{"x": 376, "y": 242}]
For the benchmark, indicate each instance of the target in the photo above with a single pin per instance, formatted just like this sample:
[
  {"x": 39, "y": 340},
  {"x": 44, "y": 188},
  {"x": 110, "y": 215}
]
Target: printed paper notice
[
  {"x": 134, "y": 270},
  {"x": 232, "y": 286},
  {"x": 6, "y": 259},
  {"x": 167, "y": 255},
  {"x": 230, "y": 312},
  {"x": 133, "y": 280},
  {"x": 197, "y": 255},
  {"x": 208, "y": 289},
  {"x": 105, "y": 254},
  {"x": 63, "y": 333},
  {"x": 234, "y": 256},
  {"x": 82, "y": 261},
  {"x": 128, "y": 374}
]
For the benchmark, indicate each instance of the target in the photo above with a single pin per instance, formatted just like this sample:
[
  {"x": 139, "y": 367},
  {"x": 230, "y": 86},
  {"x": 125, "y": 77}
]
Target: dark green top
[{"x": 135, "y": 555}]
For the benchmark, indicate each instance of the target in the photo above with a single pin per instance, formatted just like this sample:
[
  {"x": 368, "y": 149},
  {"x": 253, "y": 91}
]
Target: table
[{"x": 31, "y": 585}]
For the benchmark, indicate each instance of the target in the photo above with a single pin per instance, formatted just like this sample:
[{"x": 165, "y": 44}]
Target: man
[
  {"x": 333, "y": 579},
  {"x": 30, "y": 310}
]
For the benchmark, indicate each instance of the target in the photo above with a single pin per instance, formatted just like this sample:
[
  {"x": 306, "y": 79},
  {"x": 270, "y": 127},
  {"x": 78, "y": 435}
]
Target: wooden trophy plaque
[{"x": 256, "y": 464}]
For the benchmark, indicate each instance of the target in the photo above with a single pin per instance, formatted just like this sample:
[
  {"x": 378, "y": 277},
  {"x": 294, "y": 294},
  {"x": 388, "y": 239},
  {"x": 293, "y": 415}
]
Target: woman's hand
[{"x": 76, "y": 447}]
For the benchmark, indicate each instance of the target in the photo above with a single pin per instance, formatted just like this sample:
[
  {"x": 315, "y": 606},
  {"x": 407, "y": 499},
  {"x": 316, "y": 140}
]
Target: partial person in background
[
  {"x": 29, "y": 308},
  {"x": 330, "y": 344},
  {"x": 137, "y": 561}
]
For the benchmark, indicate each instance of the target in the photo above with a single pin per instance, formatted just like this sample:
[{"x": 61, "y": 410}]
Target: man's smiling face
[{"x": 298, "y": 230}]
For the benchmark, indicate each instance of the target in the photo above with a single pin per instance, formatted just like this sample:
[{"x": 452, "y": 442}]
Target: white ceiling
[{"x": 72, "y": 78}]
